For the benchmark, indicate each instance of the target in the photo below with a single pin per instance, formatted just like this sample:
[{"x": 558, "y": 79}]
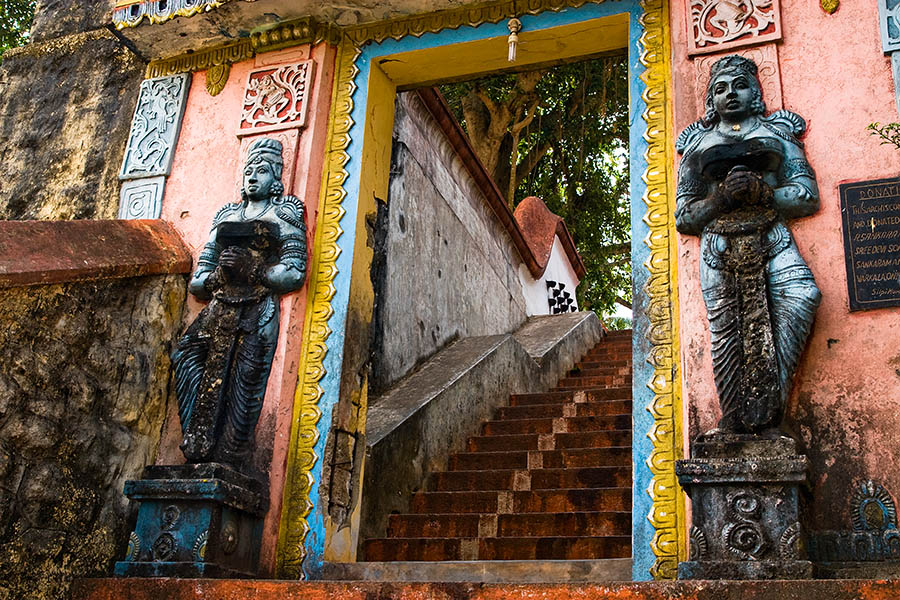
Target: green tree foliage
[
  {"x": 569, "y": 127},
  {"x": 15, "y": 21}
]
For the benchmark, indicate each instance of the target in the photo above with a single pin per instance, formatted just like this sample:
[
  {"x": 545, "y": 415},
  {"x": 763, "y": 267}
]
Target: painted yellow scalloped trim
[
  {"x": 294, "y": 526},
  {"x": 667, "y": 514},
  {"x": 149, "y": 11}
]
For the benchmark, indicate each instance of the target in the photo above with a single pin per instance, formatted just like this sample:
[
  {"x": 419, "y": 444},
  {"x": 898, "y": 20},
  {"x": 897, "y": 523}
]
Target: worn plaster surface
[{"x": 845, "y": 405}]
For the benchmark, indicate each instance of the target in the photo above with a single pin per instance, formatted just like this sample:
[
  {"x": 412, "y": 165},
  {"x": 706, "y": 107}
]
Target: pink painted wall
[
  {"x": 205, "y": 176},
  {"x": 845, "y": 405}
]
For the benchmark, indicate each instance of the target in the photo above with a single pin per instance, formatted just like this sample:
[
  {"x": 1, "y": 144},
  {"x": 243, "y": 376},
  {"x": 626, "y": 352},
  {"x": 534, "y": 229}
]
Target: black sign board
[{"x": 870, "y": 212}]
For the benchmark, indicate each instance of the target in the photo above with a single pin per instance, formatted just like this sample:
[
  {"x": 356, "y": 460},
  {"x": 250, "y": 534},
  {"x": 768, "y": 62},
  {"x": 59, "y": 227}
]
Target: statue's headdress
[
  {"x": 269, "y": 151},
  {"x": 734, "y": 64}
]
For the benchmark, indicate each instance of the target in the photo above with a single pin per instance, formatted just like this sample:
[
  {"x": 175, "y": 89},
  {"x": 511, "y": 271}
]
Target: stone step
[
  {"x": 616, "y": 456},
  {"x": 556, "y": 425},
  {"x": 512, "y": 548},
  {"x": 510, "y": 525},
  {"x": 609, "y": 353},
  {"x": 591, "y": 439},
  {"x": 580, "y": 477},
  {"x": 580, "y": 383},
  {"x": 554, "y": 548},
  {"x": 549, "y": 441},
  {"x": 563, "y": 396},
  {"x": 600, "y": 372},
  {"x": 618, "y": 363},
  {"x": 520, "y": 480},
  {"x": 483, "y": 571},
  {"x": 569, "y": 409},
  {"x": 563, "y": 524},
  {"x": 536, "y": 501},
  {"x": 551, "y": 459}
]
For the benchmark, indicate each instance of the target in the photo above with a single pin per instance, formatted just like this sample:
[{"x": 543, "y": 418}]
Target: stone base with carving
[
  {"x": 198, "y": 520},
  {"x": 745, "y": 506}
]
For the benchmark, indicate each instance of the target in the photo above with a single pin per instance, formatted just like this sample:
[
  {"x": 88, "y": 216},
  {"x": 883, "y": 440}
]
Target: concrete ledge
[
  {"x": 187, "y": 589},
  {"x": 483, "y": 571},
  {"x": 412, "y": 429},
  {"x": 43, "y": 252}
]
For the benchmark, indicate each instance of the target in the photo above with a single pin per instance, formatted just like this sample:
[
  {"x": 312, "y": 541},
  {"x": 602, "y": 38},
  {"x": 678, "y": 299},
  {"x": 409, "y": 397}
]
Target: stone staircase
[{"x": 548, "y": 479}]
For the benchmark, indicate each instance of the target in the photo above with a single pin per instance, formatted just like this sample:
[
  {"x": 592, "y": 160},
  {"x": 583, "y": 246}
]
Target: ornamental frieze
[{"x": 715, "y": 25}]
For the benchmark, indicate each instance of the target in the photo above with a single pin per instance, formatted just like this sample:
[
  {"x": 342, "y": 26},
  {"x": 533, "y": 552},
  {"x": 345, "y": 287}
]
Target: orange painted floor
[{"x": 186, "y": 589}]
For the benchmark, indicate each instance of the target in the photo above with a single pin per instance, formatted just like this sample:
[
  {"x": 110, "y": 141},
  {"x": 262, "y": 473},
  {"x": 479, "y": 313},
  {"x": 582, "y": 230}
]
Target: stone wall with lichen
[
  {"x": 66, "y": 102},
  {"x": 84, "y": 375}
]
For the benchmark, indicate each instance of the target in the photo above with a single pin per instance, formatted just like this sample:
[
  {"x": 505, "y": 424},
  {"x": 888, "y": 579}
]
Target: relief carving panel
[
  {"x": 716, "y": 25},
  {"x": 276, "y": 98},
  {"x": 155, "y": 127},
  {"x": 889, "y": 16}
]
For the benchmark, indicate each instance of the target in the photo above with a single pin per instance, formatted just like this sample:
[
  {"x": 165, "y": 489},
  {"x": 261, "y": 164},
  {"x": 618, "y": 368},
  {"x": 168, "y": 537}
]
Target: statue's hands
[
  {"x": 237, "y": 265},
  {"x": 745, "y": 188}
]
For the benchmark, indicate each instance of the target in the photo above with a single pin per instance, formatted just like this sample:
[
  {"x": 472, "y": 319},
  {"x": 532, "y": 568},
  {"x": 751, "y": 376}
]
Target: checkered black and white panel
[{"x": 560, "y": 300}]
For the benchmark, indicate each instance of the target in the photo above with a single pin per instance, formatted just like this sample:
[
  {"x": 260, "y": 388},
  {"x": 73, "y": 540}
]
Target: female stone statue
[
  {"x": 256, "y": 251},
  {"x": 741, "y": 177}
]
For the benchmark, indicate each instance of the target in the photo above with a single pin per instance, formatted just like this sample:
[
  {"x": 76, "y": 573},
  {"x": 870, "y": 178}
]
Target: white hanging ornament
[{"x": 514, "y": 26}]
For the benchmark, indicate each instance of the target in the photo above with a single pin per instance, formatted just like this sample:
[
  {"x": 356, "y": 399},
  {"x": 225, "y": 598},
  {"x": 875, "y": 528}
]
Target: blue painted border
[{"x": 642, "y": 530}]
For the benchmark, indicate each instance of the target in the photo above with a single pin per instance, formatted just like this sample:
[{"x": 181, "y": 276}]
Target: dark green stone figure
[
  {"x": 256, "y": 252},
  {"x": 742, "y": 176}
]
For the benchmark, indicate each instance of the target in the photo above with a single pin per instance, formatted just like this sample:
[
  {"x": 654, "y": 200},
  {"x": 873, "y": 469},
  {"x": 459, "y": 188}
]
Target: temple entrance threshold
[{"x": 187, "y": 589}]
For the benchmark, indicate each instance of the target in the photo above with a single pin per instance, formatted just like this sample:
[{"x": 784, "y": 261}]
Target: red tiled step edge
[{"x": 190, "y": 589}]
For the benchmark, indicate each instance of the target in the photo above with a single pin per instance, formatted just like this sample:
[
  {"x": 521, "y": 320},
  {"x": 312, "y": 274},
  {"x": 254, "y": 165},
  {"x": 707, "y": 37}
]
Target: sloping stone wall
[
  {"x": 84, "y": 372},
  {"x": 448, "y": 268}
]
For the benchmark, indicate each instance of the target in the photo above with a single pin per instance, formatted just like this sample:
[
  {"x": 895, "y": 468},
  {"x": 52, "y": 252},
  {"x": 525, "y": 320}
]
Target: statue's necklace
[
  {"x": 740, "y": 131},
  {"x": 256, "y": 216}
]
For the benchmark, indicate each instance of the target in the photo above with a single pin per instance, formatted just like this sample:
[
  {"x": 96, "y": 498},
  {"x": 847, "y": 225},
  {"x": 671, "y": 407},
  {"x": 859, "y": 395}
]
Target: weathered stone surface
[
  {"x": 484, "y": 571},
  {"x": 65, "y": 113},
  {"x": 84, "y": 371},
  {"x": 745, "y": 508},
  {"x": 56, "y": 18}
]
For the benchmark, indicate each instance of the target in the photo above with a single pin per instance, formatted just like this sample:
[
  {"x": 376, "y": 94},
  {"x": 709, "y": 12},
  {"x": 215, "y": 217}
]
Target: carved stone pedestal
[
  {"x": 200, "y": 520},
  {"x": 745, "y": 507}
]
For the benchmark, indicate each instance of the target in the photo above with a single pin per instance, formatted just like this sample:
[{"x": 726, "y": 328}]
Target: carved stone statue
[
  {"x": 742, "y": 176},
  {"x": 256, "y": 251}
]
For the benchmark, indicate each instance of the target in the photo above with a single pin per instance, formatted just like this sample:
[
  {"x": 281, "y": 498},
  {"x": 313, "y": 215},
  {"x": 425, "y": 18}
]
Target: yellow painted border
[
  {"x": 668, "y": 511},
  {"x": 294, "y": 526},
  {"x": 667, "y": 514}
]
